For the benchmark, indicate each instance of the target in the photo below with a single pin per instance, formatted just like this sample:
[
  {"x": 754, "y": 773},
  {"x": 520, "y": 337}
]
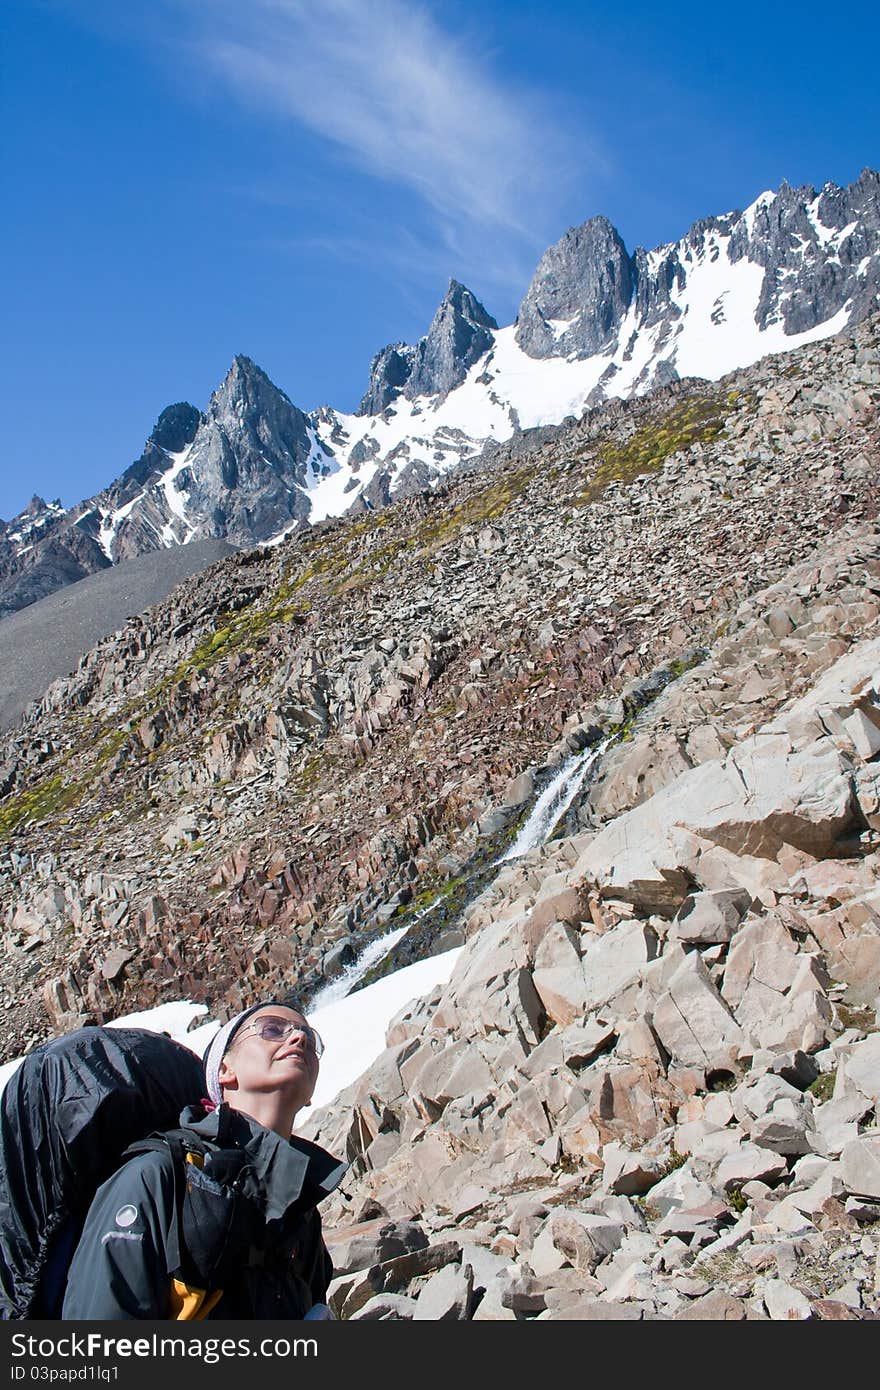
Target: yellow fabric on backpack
[{"x": 188, "y": 1304}]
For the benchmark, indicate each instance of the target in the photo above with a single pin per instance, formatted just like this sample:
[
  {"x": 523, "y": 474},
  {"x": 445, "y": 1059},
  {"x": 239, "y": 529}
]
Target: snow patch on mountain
[
  {"x": 110, "y": 522},
  {"x": 176, "y": 498},
  {"x": 718, "y": 332}
]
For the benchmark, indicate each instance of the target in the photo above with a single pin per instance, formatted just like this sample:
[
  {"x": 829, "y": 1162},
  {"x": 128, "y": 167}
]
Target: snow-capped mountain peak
[{"x": 596, "y": 322}]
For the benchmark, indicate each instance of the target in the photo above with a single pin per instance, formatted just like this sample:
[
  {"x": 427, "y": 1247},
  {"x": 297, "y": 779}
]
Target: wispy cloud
[
  {"x": 401, "y": 96},
  {"x": 401, "y": 253}
]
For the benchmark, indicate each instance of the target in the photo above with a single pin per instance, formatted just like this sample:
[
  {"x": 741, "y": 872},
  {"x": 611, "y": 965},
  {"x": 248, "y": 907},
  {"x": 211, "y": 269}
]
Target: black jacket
[{"x": 216, "y": 1220}]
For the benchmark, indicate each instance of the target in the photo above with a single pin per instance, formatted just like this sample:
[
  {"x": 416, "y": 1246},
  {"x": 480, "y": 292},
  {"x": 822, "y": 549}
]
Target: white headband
[{"x": 217, "y": 1049}]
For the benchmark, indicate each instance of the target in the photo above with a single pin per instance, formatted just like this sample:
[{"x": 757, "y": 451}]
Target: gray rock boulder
[
  {"x": 860, "y": 1163},
  {"x": 693, "y": 1022},
  {"x": 447, "y": 1296},
  {"x": 704, "y": 918}
]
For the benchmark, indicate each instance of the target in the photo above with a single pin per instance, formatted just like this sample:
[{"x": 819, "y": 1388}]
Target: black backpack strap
[{"x": 184, "y": 1147}]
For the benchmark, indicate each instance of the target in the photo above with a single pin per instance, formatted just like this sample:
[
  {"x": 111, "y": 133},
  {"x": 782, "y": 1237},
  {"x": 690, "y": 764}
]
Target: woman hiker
[{"x": 219, "y": 1219}]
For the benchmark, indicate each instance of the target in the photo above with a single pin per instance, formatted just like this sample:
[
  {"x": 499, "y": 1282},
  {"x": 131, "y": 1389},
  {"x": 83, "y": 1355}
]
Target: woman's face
[{"x": 262, "y": 1065}]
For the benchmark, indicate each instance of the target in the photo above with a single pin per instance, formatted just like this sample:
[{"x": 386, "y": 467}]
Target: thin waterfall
[
  {"x": 550, "y": 807},
  {"x": 344, "y": 983},
  {"x": 553, "y": 802}
]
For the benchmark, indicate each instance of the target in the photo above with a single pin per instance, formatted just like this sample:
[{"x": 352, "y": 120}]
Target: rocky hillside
[
  {"x": 306, "y": 743},
  {"x": 649, "y": 1088},
  {"x": 597, "y": 323}
]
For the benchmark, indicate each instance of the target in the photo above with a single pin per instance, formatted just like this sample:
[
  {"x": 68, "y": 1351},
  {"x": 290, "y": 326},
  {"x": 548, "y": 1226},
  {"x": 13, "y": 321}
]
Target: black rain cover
[{"x": 66, "y": 1116}]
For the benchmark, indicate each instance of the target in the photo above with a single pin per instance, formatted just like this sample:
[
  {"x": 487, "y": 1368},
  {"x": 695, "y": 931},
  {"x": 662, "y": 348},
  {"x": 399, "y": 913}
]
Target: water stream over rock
[
  {"x": 554, "y": 801},
  {"x": 428, "y": 928},
  {"x": 348, "y": 980}
]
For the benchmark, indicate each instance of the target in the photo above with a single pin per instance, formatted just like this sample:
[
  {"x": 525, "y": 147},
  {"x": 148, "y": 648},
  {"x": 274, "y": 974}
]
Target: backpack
[{"x": 67, "y": 1117}]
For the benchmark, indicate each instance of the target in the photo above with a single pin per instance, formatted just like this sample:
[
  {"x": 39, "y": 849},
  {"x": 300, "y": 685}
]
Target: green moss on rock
[
  {"x": 688, "y": 422},
  {"x": 39, "y": 802}
]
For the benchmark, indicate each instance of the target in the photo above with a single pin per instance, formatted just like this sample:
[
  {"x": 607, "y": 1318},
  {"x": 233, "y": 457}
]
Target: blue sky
[{"x": 298, "y": 179}]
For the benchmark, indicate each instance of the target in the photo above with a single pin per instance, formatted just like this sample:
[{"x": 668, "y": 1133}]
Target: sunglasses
[{"x": 272, "y": 1029}]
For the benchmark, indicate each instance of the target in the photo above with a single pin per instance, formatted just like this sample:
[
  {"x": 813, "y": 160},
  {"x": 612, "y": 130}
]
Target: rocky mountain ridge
[
  {"x": 586, "y": 285},
  {"x": 596, "y": 323}
]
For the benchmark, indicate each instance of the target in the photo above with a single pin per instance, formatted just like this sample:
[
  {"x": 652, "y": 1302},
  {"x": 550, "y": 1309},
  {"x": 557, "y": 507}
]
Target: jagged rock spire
[{"x": 460, "y": 333}]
